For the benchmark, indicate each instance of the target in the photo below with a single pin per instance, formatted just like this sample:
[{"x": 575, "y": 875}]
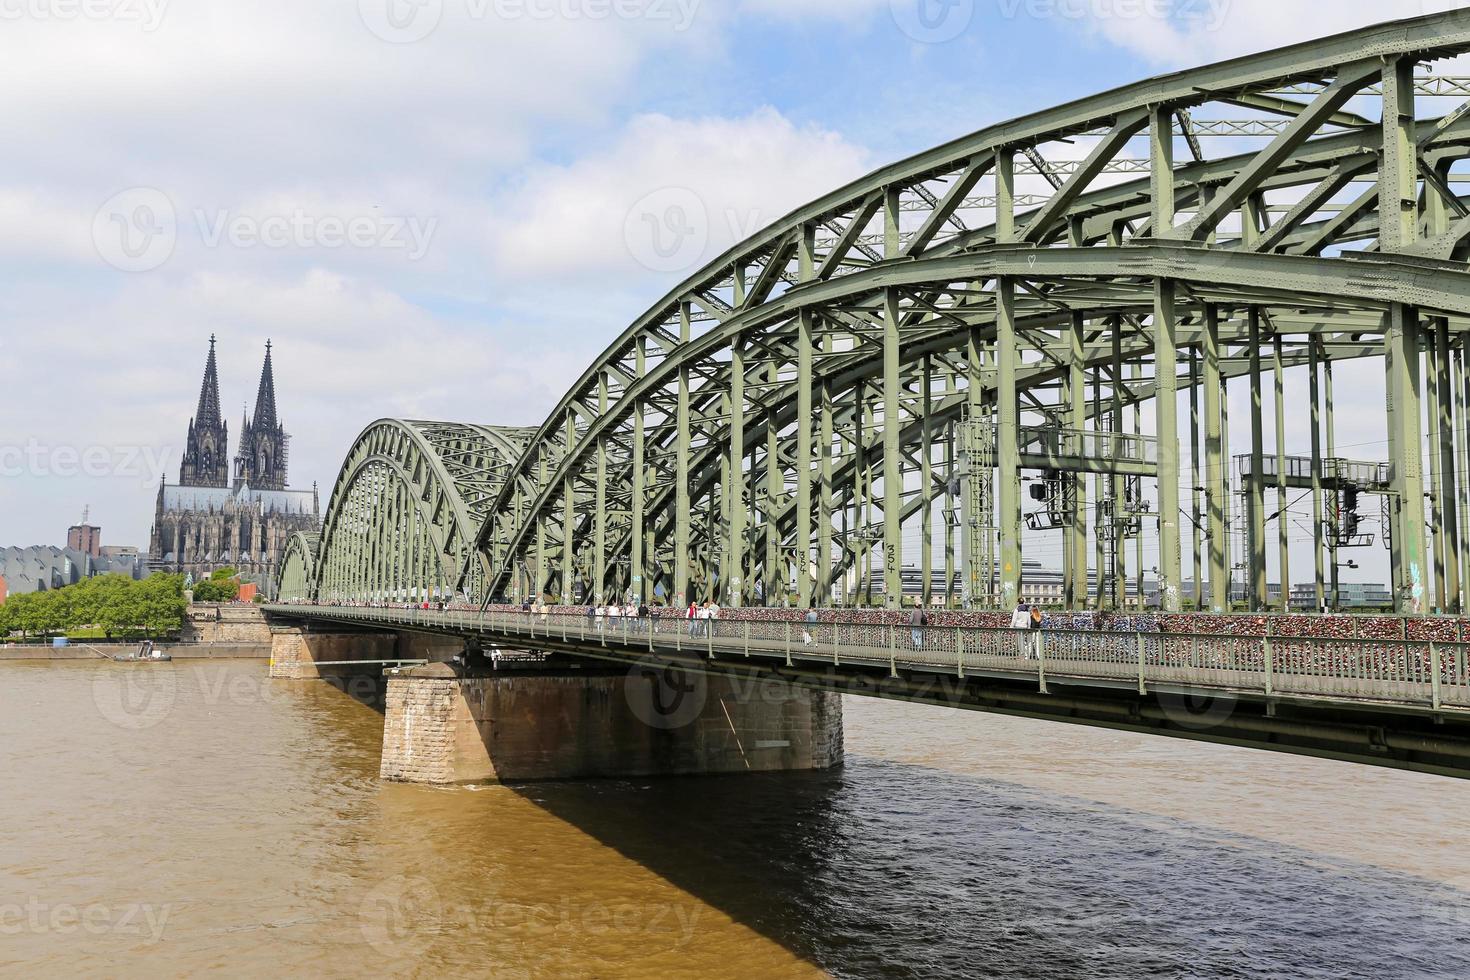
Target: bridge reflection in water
[{"x": 1394, "y": 702}]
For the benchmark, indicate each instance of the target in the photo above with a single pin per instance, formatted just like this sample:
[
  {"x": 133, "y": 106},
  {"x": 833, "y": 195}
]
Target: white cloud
[
  {"x": 1203, "y": 31},
  {"x": 713, "y": 180}
]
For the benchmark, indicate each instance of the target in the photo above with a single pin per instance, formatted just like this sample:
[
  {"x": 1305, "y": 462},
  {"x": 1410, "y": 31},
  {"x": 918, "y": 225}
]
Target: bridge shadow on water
[{"x": 896, "y": 870}]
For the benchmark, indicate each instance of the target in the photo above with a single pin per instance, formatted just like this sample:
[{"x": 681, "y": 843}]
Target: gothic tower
[
  {"x": 207, "y": 449},
  {"x": 262, "y": 460}
]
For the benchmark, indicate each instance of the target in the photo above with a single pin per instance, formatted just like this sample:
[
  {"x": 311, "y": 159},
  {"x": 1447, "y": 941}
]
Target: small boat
[{"x": 146, "y": 653}]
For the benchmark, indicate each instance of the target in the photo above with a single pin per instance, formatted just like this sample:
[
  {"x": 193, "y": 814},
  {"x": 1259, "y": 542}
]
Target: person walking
[
  {"x": 806, "y": 631},
  {"x": 693, "y": 616}
]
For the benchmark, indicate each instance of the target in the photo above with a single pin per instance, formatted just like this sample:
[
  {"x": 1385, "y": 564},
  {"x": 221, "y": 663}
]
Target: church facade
[{"x": 218, "y": 517}]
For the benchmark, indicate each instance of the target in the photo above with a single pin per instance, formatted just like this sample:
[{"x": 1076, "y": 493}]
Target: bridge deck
[{"x": 1396, "y": 702}]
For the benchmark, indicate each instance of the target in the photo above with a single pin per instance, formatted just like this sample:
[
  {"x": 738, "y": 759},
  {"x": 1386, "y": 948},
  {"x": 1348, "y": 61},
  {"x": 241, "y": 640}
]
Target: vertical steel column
[
  {"x": 1196, "y": 513},
  {"x": 1436, "y": 504},
  {"x": 682, "y": 517},
  {"x": 1228, "y": 522},
  {"x": 569, "y": 514},
  {"x": 892, "y": 462},
  {"x": 1406, "y": 459},
  {"x": 971, "y": 547},
  {"x": 1255, "y": 503},
  {"x": 775, "y": 490},
  {"x": 636, "y": 547},
  {"x": 1120, "y": 561},
  {"x": 1333, "y": 575},
  {"x": 1449, "y": 468},
  {"x": 541, "y": 479},
  {"x": 1462, "y": 414},
  {"x": 951, "y": 478},
  {"x": 735, "y": 493},
  {"x": 892, "y": 383},
  {"x": 1217, "y": 487},
  {"x": 926, "y": 479},
  {"x": 1283, "y": 524},
  {"x": 1008, "y": 449},
  {"x": 806, "y": 272},
  {"x": 823, "y": 588},
  {"x": 1077, "y": 529},
  {"x": 1314, "y": 362},
  {"x": 599, "y": 516},
  {"x": 1166, "y": 369}
]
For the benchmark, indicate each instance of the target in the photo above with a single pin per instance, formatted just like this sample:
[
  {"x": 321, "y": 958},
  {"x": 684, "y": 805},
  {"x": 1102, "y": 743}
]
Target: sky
[{"x": 432, "y": 207}]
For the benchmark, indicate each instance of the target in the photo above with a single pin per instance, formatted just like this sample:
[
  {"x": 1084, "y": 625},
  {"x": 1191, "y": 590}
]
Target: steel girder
[
  {"x": 298, "y": 568},
  {"x": 780, "y": 415},
  {"x": 906, "y": 260},
  {"x": 404, "y": 512}
]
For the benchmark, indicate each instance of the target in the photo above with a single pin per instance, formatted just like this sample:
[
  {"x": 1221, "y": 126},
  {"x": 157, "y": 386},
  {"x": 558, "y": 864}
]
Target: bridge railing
[{"x": 1417, "y": 672}]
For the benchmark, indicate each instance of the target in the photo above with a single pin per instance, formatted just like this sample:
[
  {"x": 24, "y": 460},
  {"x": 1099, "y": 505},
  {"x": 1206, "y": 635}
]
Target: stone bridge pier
[
  {"x": 511, "y": 725},
  {"x": 532, "y": 720}
]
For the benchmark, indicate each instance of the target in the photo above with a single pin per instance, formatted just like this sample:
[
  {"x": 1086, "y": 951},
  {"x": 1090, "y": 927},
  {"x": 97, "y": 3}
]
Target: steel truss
[{"x": 768, "y": 430}]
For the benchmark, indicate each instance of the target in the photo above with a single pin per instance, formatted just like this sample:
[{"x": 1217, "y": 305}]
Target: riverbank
[{"x": 179, "y": 651}]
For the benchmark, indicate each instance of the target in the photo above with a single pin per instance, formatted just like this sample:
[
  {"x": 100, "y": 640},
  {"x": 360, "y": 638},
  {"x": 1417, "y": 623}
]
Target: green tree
[{"x": 222, "y": 586}]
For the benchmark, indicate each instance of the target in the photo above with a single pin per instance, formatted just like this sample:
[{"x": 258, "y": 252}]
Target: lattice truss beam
[{"x": 777, "y": 419}]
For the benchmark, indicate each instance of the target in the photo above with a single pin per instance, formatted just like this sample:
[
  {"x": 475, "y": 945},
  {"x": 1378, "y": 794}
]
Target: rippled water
[{"x": 236, "y": 825}]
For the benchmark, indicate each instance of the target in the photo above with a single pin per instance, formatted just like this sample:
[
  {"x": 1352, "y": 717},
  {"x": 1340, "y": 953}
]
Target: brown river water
[{"x": 224, "y": 824}]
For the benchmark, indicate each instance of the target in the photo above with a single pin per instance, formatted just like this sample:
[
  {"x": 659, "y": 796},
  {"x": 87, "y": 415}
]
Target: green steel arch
[
  {"x": 891, "y": 358},
  {"x": 298, "y": 568},
  {"x": 403, "y": 514}
]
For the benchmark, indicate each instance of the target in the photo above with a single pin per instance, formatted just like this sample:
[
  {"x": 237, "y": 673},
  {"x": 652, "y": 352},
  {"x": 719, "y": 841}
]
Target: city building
[
  {"x": 43, "y": 567},
  {"x": 85, "y": 537},
  {"x": 204, "y": 522}
]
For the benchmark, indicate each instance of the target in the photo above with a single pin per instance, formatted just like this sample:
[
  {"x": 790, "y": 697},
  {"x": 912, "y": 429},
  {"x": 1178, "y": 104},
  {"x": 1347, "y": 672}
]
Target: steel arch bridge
[{"x": 895, "y": 355}]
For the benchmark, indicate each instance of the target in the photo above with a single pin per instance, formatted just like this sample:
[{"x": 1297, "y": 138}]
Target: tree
[{"x": 222, "y": 586}]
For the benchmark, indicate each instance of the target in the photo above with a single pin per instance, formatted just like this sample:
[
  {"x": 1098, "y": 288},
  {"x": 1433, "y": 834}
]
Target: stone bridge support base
[
  {"x": 524, "y": 727},
  {"x": 295, "y": 653}
]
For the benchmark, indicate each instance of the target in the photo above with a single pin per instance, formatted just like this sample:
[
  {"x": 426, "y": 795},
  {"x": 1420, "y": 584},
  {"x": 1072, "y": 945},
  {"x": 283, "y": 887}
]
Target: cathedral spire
[
  {"x": 265, "y": 398},
  {"x": 207, "y": 445},
  {"x": 208, "y": 415}
]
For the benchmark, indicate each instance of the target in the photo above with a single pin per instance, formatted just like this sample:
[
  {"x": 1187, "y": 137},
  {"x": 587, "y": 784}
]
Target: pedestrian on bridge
[
  {"x": 811, "y": 620},
  {"x": 693, "y": 616},
  {"x": 917, "y": 621}
]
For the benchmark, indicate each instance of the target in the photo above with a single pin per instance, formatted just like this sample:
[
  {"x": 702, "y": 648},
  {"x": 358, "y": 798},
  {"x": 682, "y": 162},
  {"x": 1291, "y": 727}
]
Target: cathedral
[{"x": 206, "y": 521}]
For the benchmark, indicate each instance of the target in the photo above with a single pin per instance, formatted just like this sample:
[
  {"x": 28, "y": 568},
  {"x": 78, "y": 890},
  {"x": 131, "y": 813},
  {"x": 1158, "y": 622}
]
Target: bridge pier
[
  {"x": 518, "y": 726},
  {"x": 296, "y": 652}
]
